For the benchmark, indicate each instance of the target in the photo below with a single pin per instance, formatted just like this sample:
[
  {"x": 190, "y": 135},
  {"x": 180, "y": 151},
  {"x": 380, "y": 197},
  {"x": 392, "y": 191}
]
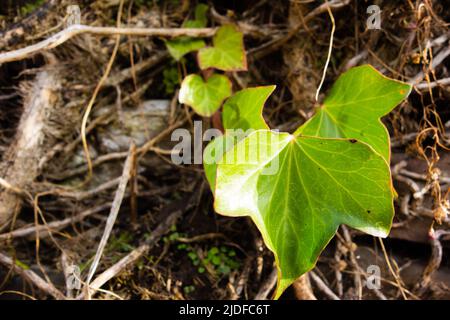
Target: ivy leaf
[
  {"x": 241, "y": 111},
  {"x": 200, "y": 20},
  {"x": 299, "y": 189},
  {"x": 354, "y": 106},
  {"x": 204, "y": 97},
  {"x": 227, "y": 53},
  {"x": 181, "y": 46},
  {"x": 244, "y": 109},
  {"x": 213, "y": 153}
]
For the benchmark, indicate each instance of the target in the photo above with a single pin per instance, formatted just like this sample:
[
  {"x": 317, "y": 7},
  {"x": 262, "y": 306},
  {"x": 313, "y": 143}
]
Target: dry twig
[
  {"x": 52, "y": 226},
  {"x": 267, "y": 286},
  {"x": 75, "y": 30},
  {"x": 112, "y": 215},
  {"x": 32, "y": 277}
]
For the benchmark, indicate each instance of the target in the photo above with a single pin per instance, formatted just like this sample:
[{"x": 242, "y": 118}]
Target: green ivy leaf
[
  {"x": 241, "y": 111},
  {"x": 354, "y": 106},
  {"x": 200, "y": 20},
  {"x": 299, "y": 189},
  {"x": 204, "y": 97},
  {"x": 244, "y": 109},
  {"x": 181, "y": 46},
  {"x": 227, "y": 53},
  {"x": 213, "y": 153}
]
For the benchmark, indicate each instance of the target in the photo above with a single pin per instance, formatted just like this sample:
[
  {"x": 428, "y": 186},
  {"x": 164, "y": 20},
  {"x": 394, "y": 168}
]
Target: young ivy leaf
[
  {"x": 181, "y": 46},
  {"x": 200, "y": 20},
  {"x": 204, "y": 97},
  {"x": 299, "y": 189},
  {"x": 354, "y": 106},
  {"x": 227, "y": 53},
  {"x": 241, "y": 112}
]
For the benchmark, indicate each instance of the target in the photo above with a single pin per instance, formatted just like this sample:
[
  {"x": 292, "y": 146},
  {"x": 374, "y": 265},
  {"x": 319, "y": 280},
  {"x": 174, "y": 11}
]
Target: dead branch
[
  {"x": 113, "y": 213},
  {"x": 438, "y": 83},
  {"x": 323, "y": 287},
  {"x": 78, "y": 29},
  {"x": 32, "y": 277},
  {"x": 267, "y": 286},
  {"x": 53, "y": 226}
]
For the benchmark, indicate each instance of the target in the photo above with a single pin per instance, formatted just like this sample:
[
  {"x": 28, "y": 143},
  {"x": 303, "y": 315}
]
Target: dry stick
[
  {"x": 137, "y": 253},
  {"x": 112, "y": 215},
  {"x": 431, "y": 85},
  {"x": 201, "y": 237},
  {"x": 97, "y": 161},
  {"x": 422, "y": 177},
  {"x": 77, "y": 29},
  {"x": 243, "y": 278},
  {"x": 32, "y": 277},
  {"x": 54, "y": 226},
  {"x": 322, "y": 286},
  {"x": 117, "y": 268},
  {"x": 125, "y": 74},
  {"x": 81, "y": 195},
  {"x": 267, "y": 286}
]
